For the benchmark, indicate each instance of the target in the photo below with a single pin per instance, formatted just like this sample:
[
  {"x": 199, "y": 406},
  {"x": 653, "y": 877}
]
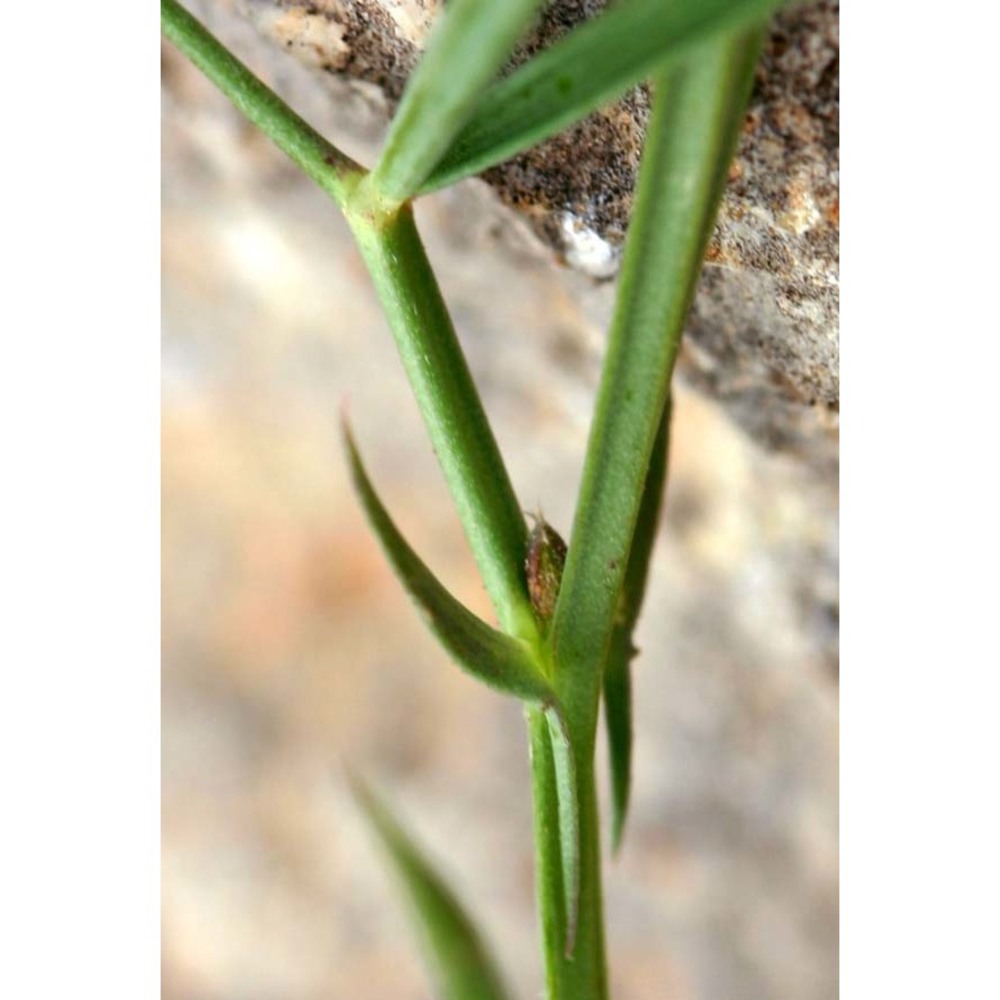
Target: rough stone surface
[{"x": 764, "y": 331}]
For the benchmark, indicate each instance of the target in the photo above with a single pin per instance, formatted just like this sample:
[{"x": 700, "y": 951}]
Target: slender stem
[
  {"x": 691, "y": 136},
  {"x": 433, "y": 359},
  {"x": 451, "y": 407},
  {"x": 323, "y": 162},
  {"x": 548, "y": 864},
  {"x": 696, "y": 115},
  {"x": 431, "y": 354},
  {"x": 583, "y": 975}
]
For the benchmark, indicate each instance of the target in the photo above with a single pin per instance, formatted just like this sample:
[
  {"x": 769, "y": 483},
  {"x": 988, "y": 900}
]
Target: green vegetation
[{"x": 559, "y": 645}]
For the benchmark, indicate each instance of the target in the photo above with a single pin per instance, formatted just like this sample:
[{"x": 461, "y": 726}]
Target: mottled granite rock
[{"x": 764, "y": 335}]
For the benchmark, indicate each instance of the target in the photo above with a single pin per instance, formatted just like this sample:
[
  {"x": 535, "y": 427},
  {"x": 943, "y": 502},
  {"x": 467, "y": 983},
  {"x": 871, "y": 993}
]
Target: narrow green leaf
[
  {"x": 569, "y": 819},
  {"x": 503, "y": 662},
  {"x": 618, "y": 719},
  {"x": 697, "y": 112},
  {"x": 597, "y": 62},
  {"x": 469, "y": 43},
  {"x": 618, "y": 670},
  {"x": 336, "y": 173},
  {"x": 454, "y": 948}
]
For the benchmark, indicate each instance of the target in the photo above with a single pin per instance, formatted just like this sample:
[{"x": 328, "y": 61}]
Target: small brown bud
[{"x": 543, "y": 568}]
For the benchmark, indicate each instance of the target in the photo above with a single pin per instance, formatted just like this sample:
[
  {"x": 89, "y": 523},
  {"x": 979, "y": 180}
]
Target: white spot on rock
[{"x": 586, "y": 250}]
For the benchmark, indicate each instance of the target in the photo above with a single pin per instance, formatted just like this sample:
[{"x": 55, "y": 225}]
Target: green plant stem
[
  {"x": 696, "y": 116},
  {"x": 548, "y": 863},
  {"x": 697, "y": 111},
  {"x": 432, "y": 357},
  {"x": 582, "y": 975},
  {"x": 324, "y": 163},
  {"x": 695, "y": 122},
  {"x": 454, "y": 415}
]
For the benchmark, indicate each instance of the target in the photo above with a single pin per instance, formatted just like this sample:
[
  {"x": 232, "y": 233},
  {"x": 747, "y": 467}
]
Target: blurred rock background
[{"x": 289, "y": 651}]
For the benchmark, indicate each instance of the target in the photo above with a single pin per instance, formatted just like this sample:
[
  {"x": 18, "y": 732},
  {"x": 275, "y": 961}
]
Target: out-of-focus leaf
[
  {"x": 462, "y": 966},
  {"x": 503, "y": 662}
]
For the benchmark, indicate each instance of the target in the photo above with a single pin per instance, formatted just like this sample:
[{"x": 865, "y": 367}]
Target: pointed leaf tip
[
  {"x": 618, "y": 720},
  {"x": 499, "y": 660},
  {"x": 451, "y": 943}
]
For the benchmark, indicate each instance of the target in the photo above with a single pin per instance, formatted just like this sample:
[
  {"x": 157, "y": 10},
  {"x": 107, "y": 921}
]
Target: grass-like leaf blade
[
  {"x": 499, "y": 660},
  {"x": 569, "y": 819},
  {"x": 618, "y": 669},
  {"x": 596, "y": 63},
  {"x": 469, "y": 43},
  {"x": 454, "y": 948}
]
